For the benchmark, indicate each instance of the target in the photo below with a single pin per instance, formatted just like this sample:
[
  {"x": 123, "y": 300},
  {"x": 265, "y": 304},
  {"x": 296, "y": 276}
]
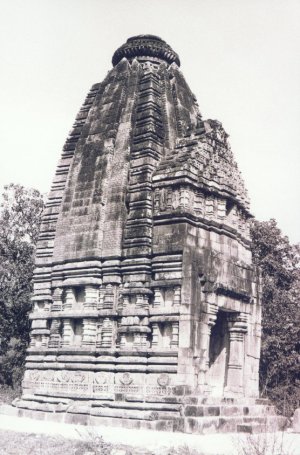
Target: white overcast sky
[{"x": 240, "y": 58}]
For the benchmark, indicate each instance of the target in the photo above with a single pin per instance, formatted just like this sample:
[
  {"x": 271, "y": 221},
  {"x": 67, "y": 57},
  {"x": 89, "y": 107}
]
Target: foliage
[
  {"x": 94, "y": 443},
  {"x": 36, "y": 444},
  {"x": 48, "y": 444},
  {"x": 8, "y": 394},
  {"x": 278, "y": 261},
  {"x": 20, "y": 216},
  {"x": 266, "y": 442},
  {"x": 184, "y": 450}
]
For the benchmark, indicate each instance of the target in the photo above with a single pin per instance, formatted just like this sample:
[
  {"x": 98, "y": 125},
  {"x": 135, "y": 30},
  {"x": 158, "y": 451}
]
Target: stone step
[
  {"x": 46, "y": 399},
  {"x": 212, "y": 401},
  {"x": 164, "y": 399},
  {"x": 176, "y": 425},
  {"x": 38, "y": 406},
  {"x": 104, "y": 411},
  {"x": 155, "y": 420},
  {"x": 228, "y": 410},
  {"x": 262, "y": 424},
  {"x": 131, "y": 413},
  {"x": 205, "y": 425},
  {"x": 260, "y": 410},
  {"x": 201, "y": 411},
  {"x": 99, "y": 403},
  {"x": 137, "y": 405},
  {"x": 248, "y": 428},
  {"x": 168, "y": 410},
  {"x": 264, "y": 401}
]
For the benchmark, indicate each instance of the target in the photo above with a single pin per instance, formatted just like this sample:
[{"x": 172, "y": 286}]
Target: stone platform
[
  {"x": 156, "y": 443},
  {"x": 189, "y": 414}
]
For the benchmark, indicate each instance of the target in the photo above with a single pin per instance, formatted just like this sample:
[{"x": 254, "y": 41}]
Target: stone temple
[{"x": 146, "y": 302}]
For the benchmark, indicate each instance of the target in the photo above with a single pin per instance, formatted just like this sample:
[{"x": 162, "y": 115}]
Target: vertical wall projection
[{"x": 144, "y": 288}]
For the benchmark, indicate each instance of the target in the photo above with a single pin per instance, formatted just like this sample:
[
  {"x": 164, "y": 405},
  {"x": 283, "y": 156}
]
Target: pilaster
[
  {"x": 91, "y": 297},
  {"x": 107, "y": 334},
  {"x": 175, "y": 335},
  {"x": 89, "y": 332},
  {"x": 57, "y": 299},
  {"x": 209, "y": 320},
  {"x": 68, "y": 333},
  {"x": 155, "y": 335},
  {"x": 69, "y": 299},
  {"x": 55, "y": 335},
  {"x": 157, "y": 301},
  {"x": 235, "y": 374}
]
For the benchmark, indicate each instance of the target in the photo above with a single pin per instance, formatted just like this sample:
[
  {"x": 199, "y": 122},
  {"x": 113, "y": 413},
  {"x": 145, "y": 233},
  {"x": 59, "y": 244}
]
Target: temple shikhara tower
[{"x": 146, "y": 309}]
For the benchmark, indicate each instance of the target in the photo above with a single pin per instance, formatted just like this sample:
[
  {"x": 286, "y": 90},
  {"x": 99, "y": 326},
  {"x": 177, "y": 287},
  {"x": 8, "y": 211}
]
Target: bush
[
  {"x": 280, "y": 353},
  {"x": 20, "y": 216}
]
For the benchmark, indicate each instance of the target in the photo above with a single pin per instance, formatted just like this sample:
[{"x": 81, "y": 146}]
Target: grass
[
  {"x": 15, "y": 443},
  {"x": 8, "y": 394}
]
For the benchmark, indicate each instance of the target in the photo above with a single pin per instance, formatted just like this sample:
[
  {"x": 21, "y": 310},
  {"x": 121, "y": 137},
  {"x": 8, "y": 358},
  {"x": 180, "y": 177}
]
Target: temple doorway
[{"x": 218, "y": 355}]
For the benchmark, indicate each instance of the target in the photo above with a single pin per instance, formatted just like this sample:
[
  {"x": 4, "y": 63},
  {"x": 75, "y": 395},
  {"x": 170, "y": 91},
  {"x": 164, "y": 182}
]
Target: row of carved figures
[
  {"x": 108, "y": 297},
  {"x": 184, "y": 198},
  {"x": 130, "y": 332}
]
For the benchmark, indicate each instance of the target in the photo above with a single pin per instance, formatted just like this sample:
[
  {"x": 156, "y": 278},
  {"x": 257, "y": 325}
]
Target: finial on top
[{"x": 145, "y": 46}]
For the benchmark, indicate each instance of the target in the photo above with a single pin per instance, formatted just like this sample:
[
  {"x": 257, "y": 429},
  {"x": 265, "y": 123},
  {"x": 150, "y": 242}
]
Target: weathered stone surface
[{"x": 146, "y": 302}]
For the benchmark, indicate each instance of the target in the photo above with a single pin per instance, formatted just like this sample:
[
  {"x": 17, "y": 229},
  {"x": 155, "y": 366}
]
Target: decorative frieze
[{"x": 190, "y": 201}]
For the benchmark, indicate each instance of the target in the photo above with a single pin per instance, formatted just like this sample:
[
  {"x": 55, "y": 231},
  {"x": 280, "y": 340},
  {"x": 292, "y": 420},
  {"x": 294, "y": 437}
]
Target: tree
[
  {"x": 20, "y": 216},
  {"x": 278, "y": 261}
]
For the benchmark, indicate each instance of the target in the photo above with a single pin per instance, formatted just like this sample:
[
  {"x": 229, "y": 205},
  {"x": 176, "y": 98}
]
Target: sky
[{"x": 240, "y": 58}]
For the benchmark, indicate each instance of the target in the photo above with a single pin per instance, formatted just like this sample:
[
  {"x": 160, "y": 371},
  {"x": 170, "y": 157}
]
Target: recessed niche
[
  {"x": 168, "y": 297},
  {"x": 126, "y": 340},
  {"x": 38, "y": 341},
  {"x": 219, "y": 354},
  {"x": 229, "y": 206},
  {"x": 77, "y": 332},
  {"x": 162, "y": 335},
  {"x": 79, "y": 293}
]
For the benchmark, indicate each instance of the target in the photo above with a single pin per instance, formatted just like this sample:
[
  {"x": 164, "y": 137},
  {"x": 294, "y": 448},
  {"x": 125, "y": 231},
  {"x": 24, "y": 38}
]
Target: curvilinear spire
[{"x": 145, "y": 297}]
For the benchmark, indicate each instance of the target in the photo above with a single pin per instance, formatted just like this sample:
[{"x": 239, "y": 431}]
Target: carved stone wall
[{"x": 144, "y": 283}]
